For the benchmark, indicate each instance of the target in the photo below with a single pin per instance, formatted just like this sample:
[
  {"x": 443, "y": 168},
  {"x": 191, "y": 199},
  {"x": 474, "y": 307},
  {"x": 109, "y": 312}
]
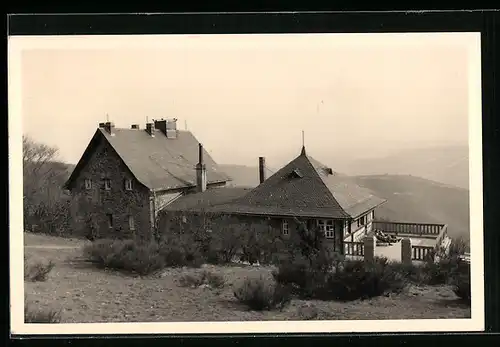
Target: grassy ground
[{"x": 84, "y": 294}]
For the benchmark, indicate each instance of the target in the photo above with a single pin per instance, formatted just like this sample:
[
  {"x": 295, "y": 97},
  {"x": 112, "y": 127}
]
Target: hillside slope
[
  {"x": 449, "y": 165},
  {"x": 409, "y": 198},
  {"x": 241, "y": 175},
  {"x": 415, "y": 199}
]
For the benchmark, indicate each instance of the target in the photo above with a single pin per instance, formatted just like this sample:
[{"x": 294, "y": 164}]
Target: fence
[
  {"x": 354, "y": 248},
  {"x": 419, "y": 229}
]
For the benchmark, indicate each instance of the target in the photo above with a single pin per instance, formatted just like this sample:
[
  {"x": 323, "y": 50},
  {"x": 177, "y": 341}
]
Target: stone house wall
[{"x": 93, "y": 208}]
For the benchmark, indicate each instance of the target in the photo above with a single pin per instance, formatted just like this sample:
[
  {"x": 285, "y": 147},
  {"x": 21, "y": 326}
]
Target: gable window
[
  {"x": 88, "y": 184},
  {"x": 131, "y": 222},
  {"x": 326, "y": 226},
  {"x": 285, "y": 229},
  {"x": 128, "y": 184},
  {"x": 107, "y": 184},
  {"x": 109, "y": 216}
]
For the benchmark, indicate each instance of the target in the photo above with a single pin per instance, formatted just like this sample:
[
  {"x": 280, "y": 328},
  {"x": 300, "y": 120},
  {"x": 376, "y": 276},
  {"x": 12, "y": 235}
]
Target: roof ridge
[{"x": 324, "y": 183}]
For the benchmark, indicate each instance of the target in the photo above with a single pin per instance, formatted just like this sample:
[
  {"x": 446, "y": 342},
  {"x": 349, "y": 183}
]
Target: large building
[{"x": 125, "y": 176}]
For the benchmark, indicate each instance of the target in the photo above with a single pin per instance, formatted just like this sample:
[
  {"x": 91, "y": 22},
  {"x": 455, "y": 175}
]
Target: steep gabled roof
[
  {"x": 305, "y": 187},
  {"x": 158, "y": 162}
]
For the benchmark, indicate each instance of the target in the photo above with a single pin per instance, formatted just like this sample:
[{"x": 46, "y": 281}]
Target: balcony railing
[
  {"x": 421, "y": 252},
  {"x": 354, "y": 248},
  {"x": 415, "y": 229},
  {"x": 437, "y": 232}
]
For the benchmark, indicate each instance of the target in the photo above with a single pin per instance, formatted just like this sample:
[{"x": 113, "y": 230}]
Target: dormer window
[
  {"x": 296, "y": 173},
  {"x": 128, "y": 184},
  {"x": 107, "y": 184},
  {"x": 88, "y": 184}
]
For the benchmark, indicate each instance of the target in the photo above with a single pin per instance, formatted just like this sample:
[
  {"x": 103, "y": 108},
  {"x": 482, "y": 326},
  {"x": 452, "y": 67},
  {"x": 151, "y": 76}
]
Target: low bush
[
  {"x": 462, "y": 287},
  {"x": 177, "y": 254},
  {"x": 357, "y": 279},
  {"x": 192, "y": 280},
  {"x": 214, "y": 280},
  {"x": 195, "y": 280},
  {"x": 125, "y": 255},
  {"x": 348, "y": 280},
  {"x": 32, "y": 315},
  {"x": 261, "y": 294},
  {"x": 37, "y": 271}
]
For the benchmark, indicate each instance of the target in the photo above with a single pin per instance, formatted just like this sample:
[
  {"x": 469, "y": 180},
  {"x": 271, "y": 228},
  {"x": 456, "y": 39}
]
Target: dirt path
[{"x": 50, "y": 247}]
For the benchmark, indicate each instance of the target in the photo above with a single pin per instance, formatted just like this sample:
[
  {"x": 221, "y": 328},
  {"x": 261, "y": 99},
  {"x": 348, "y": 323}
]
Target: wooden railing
[
  {"x": 354, "y": 248},
  {"x": 442, "y": 235},
  {"x": 421, "y": 252},
  {"x": 417, "y": 229}
]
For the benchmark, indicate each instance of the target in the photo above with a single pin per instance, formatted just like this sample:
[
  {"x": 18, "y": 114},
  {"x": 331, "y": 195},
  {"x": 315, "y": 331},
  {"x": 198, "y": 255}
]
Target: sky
[{"x": 245, "y": 96}]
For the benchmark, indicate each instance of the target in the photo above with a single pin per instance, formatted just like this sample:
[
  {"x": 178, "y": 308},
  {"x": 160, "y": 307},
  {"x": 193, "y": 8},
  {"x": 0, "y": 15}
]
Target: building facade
[{"x": 126, "y": 176}]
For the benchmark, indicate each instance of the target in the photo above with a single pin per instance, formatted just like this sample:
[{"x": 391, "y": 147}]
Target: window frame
[
  {"x": 88, "y": 184},
  {"x": 285, "y": 228},
  {"x": 327, "y": 227},
  {"x": 107, "y": 184},
  {"x": 128, "y": 184},
  {"x": 131, "y": 222},
  {"x": 109, "y": 217}
]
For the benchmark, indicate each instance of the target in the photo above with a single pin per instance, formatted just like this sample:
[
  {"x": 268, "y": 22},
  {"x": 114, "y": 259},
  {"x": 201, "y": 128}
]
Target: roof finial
[
  {"x": 107, "y": 117},
  {"x": 185, "y": 124},
  {"x": 303, "y": 152}
]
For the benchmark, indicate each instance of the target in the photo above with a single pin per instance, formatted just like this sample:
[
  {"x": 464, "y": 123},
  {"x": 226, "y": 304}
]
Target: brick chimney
[
  {"x": 201, "y": 171},
  {"x": 150, "y": 129},
  {"x": 108, "y": 126},
  {"x": 168, "y": 127},
  {"x": 262, "y": 169}
]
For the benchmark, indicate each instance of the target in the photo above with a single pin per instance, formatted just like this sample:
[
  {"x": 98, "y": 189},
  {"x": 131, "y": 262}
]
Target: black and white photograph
[{"x": 246, "y": 183}]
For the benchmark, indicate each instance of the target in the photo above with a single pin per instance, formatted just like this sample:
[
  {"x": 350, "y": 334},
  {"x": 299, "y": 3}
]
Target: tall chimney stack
[
  {"x": 201, "y": 171},
  {"x": 108, "y": 126},
  {"x": 150, "y": 128},
  {"x": 168, "y": 127},
  {"x": 262, "y": 171}
]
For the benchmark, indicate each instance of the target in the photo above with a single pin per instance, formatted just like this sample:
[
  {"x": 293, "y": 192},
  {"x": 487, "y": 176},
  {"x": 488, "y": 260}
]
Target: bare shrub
[
  {"x": 125, "y": 255},
  {"x": 261, "y": 294},
  {"x": 40, "y": 315},
  {"x": 194, "y": 280},
  {"x": 307, "y": 312},
  {"x": 214, "y": 280},
  {"x": 37, "y": 271}
]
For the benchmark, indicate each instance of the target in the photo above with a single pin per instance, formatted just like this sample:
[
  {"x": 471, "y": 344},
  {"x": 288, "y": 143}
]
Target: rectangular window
[
  {"x": 88, "y": 184},
  {"x": 131, "y": 222},
  {"x": 107, "y": 184},
  {"x": 361, "y": 221},
  {"x": 327, "y": 227},
  {"x": 110, "y": 220},
  {"x": 373, "y": 214},
  {"x": 285, "y": 228},
  {"x": 128, "y": 184}
]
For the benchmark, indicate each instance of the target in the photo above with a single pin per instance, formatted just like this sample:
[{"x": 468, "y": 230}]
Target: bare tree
[{"x": 42, "y": 180}]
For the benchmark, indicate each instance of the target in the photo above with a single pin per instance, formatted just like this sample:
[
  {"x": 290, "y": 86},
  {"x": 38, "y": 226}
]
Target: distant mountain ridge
[{"x": 446, "y": 164}]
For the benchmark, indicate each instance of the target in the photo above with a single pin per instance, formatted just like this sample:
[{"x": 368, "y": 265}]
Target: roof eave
[{"x": 371, "y": 208}]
